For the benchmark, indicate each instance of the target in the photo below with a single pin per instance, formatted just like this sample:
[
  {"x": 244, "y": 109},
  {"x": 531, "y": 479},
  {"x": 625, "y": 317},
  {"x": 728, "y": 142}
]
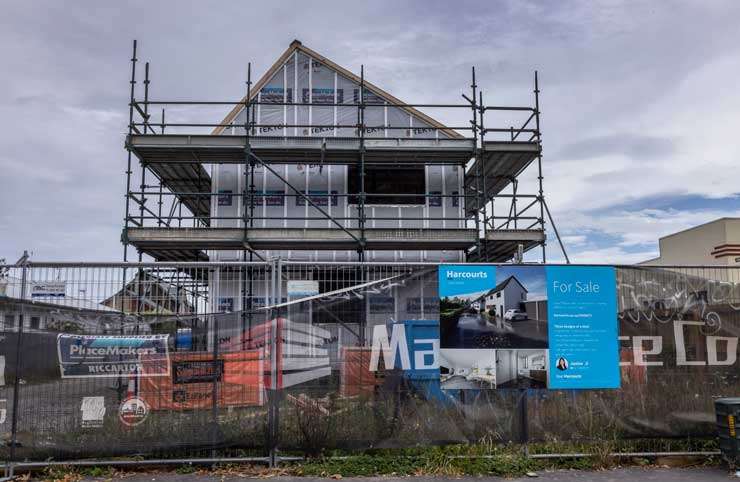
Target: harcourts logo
[{"x": 467, "y": 274}]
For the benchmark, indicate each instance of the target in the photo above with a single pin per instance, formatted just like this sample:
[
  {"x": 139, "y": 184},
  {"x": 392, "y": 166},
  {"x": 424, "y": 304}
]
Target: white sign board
[
  {"x": 302, "y": 288},
  {"x": 48, "y": 288},
  {"x": 93, "y": 411}
]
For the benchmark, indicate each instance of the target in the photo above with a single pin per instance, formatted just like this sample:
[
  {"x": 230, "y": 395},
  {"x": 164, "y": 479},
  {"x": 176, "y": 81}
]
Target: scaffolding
[{"x": 173, "y": 218}]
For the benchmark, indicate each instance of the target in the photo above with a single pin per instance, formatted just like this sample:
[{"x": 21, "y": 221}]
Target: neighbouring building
[
  {"x": 716, "y": 243},
  {"x": 148, "y": 294},
  {"x": 51, "y": 306},
  {"x": 507, "y": 295}
]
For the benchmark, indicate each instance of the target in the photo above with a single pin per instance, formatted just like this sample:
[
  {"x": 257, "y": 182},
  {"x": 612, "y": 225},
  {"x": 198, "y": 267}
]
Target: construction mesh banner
[{"x": 241, "y": 359}]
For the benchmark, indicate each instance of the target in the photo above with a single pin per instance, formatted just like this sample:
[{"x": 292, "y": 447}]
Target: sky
[
  {"x": 639, "y": 101},
  {"x": 534, "y": 279}
]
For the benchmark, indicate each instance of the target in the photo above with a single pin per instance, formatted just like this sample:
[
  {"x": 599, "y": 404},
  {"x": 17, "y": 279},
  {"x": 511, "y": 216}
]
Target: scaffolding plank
[
  {"x": 500, "y": 163},
  {"x": 184, "y": 239},
  {"x": 501, "y": 245},
  {"x": 230, "y": 149},
  {"x": 175, "y": 255}
]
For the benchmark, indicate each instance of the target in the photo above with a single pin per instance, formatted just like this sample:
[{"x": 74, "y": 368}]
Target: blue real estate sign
[
  {"x": 582, "y": 327},
  {"x": 528, "y": 327}
]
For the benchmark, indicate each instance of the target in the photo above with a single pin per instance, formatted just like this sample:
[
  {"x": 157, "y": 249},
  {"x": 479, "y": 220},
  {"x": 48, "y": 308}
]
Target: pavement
[{"x": 643, "y": 474}]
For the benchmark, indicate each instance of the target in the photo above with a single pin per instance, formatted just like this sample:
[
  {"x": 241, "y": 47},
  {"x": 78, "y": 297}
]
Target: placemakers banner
[
  {"x": 94, "y": 356},
  {"x": 528, "y": 327}
]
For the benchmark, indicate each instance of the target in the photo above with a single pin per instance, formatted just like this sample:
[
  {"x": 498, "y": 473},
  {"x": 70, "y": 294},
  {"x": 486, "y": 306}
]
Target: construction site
[{"x": 289, "y": 273}]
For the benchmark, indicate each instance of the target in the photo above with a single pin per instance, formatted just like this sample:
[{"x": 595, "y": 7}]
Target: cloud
[
  {"x": 639, "y": 147},
  {"x": 638, "y": 104}
]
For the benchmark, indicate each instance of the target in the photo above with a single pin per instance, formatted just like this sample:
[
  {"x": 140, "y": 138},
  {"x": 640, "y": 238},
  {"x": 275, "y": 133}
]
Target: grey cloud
[{"x": 638, "y": 147}]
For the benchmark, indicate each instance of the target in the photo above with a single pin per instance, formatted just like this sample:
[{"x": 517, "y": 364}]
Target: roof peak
[{"x": 298, "y": 45}]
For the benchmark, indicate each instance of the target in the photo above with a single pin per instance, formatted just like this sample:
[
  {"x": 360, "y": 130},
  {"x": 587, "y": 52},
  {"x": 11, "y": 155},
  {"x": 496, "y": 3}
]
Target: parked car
[{"x": 515, "y": 315}]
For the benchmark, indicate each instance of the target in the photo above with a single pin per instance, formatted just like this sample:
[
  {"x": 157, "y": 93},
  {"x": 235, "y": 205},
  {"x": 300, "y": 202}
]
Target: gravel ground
[{"x": 699, "y": 474}]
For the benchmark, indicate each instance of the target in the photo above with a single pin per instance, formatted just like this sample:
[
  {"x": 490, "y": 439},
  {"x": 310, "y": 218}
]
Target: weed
[
  {"x": 185, "y": 469},
  {"x": 61, "y": 473}
]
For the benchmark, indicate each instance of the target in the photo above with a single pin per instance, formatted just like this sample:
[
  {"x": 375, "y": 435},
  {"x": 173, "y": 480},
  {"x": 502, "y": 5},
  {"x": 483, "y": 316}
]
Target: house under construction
[{"x": 317, "y": 164}]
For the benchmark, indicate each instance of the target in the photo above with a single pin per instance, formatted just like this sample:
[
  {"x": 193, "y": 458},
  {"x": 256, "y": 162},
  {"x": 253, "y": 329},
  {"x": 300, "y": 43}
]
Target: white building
[{"x": 507, "y": 295}]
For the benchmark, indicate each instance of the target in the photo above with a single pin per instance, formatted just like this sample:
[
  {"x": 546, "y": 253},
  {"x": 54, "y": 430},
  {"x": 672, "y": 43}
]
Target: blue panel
[
  {"x": 423, "y": 336},
  {"x": 582, "y": 326}
]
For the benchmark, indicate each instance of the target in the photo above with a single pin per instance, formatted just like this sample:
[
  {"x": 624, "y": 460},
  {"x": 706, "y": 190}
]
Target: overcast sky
[{"x": 639, "y": 101}]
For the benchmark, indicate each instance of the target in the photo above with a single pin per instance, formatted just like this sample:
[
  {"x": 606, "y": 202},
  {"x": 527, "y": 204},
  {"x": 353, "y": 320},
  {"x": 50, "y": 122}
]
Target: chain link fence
[{"x": 255, "y": 361}]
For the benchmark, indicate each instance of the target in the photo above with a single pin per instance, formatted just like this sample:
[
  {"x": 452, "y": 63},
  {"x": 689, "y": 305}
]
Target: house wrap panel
[{"x": 303, "y": 79}]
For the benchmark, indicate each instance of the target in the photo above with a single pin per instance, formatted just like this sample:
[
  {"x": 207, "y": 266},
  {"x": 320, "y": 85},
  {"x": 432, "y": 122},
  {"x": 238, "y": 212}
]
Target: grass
[
  {"x": 484, "y": 458},
  {"x": 507, "y": 460}
]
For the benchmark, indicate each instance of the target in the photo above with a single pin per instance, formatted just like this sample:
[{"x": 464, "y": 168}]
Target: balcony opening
[{"x": 388, "y": 185}]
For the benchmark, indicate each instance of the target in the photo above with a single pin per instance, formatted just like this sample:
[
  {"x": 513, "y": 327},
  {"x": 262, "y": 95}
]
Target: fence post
[
  {"x": 18, "y": 361},
  {"x": 277, "y": 344},
  {"x": 275, "y": 280},
  {"x": 524, "y": 419},
  {"x": 214, "y": 392}
]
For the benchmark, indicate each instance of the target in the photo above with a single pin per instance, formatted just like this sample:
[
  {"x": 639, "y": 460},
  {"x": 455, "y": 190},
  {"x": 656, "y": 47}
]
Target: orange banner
[
  {"x": 239, "y": 375},
  {"x": 355, "y": 375}
]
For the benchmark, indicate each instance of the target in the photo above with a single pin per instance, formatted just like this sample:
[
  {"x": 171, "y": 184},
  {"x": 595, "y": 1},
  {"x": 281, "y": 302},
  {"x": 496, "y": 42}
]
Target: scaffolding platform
[
  {"x": 188, "y": 240},
  {"x": 500, "y": 162},
  {"x": 170, "y": 149},
  {"x": 501, "y": 245},
  {"x": 187, "y": 180},
  {"x": 175, "y": 254}
]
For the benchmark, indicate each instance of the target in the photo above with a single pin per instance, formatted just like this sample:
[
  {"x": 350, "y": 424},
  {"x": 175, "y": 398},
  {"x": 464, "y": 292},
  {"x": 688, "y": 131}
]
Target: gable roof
[
  {"x": 155, "y": 293},
  {"x": 297, "y": 45},
  {"x": 502, "y": 285}
]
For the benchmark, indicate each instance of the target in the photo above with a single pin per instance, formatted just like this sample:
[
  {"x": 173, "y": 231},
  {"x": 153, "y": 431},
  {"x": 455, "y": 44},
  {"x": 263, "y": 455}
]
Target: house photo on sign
[
  {"x": 528, "y": 327},
  {"x": 465, "y": 360}
]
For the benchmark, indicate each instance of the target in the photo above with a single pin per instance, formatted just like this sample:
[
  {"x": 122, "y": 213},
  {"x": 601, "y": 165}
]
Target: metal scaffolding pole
[
  {"x": 361, "y": 197},
  {"x": 247, "y": 204},
  {"x": 477, "y": 154},
  {"x": 128, "y": 166},
  {"x": 539, "y": 164},
  {"x": 159, "y": 202},
  {"x": 142, "y": 200},
  {"x": 247, "y": 193},
  {"x": 483, "y": 181}
]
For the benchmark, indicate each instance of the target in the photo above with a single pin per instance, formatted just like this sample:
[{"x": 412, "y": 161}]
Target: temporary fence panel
[
  {"x": 121, "y": 360},
  {"x": 252, "y": 358}
]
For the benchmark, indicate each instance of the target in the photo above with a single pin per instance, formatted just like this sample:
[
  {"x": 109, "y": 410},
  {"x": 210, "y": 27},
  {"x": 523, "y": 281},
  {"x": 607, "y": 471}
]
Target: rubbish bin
[{"x": 728, "y": 416}]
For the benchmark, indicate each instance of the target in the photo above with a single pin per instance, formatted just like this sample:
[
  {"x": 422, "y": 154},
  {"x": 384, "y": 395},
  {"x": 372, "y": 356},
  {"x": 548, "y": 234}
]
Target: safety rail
[{"x": 345, "y": 203}]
